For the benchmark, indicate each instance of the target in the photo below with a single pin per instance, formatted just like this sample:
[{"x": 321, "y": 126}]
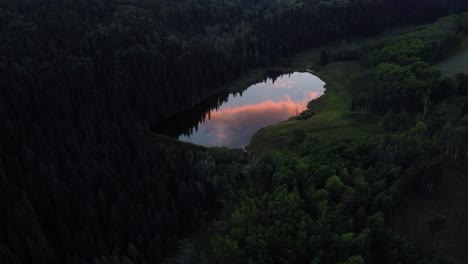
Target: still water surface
[{"x": 230, "y": 120}]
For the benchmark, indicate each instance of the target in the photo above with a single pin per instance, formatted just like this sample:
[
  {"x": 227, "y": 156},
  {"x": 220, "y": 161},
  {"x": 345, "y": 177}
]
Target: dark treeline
[
  {"x": 75, "y": 193},
  {"x": 80, "y": 177},
  {"x": 155, "y": 57},
  {"x": 186, "y": 122}
]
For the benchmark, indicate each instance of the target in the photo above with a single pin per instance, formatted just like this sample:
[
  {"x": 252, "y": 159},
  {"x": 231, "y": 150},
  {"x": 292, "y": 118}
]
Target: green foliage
[
  {"x": 396, "y": 122},
  {"x": 335, "y": 210},
  {"x": 298, "y": 137},
  {"x": 401, "y": 79},
  {"x": 355, "y": 260}
]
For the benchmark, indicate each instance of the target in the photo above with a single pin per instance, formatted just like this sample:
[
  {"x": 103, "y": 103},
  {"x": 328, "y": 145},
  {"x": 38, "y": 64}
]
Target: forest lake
[{"x": 231, "y": 119}]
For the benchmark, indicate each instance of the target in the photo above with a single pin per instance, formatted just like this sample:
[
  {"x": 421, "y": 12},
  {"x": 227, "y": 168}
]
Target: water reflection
[{"x": 231, "y": 119}]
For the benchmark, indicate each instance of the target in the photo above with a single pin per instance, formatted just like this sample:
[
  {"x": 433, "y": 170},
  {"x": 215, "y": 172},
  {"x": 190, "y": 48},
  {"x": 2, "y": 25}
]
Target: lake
[{"x": 231, "y": 119}]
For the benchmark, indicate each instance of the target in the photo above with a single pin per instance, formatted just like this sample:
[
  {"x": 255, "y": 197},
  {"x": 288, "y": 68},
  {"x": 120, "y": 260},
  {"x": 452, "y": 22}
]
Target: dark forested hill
[
  {"x": 81, "y": 177},
  {"x": 155, "y": 57}
]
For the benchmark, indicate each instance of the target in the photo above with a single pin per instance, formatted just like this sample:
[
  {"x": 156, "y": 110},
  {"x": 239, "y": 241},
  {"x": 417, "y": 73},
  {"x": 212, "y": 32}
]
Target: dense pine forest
[{"x": 83, "y": 179}]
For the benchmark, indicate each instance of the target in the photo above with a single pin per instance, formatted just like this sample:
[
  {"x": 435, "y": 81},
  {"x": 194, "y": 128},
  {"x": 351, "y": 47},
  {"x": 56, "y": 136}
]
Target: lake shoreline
[
  {"x": 311, "y": 57},
  {"x": 231, "y": 118}
]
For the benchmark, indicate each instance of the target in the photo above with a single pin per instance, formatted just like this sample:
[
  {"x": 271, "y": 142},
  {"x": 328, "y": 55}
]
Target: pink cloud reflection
[
  {"x": 230, "y": 126},
  {"x": 263, "y": 104}
]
